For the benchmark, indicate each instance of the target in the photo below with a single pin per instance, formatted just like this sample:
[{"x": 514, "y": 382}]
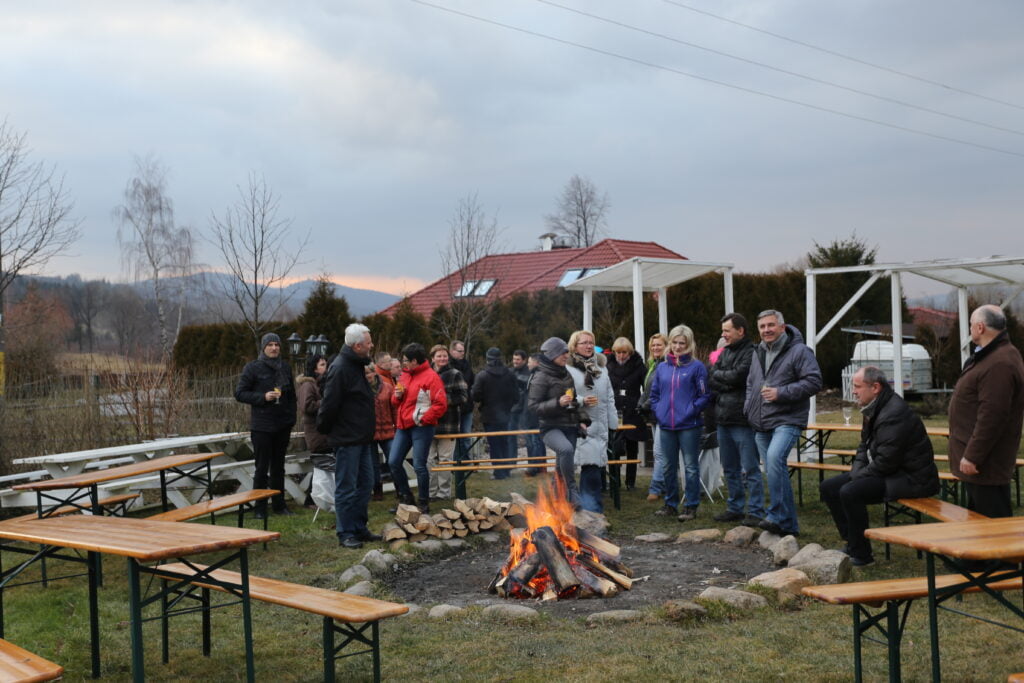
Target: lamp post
[{"x": 315, "y": 345}]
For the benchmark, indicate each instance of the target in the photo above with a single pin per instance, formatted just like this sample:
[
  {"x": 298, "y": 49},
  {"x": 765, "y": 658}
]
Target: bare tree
[
  {"x": 153, "y": 247},
  {"x": 35, "y": 215},
  {"x": 472, "y": 239},
  {"x": 252, "y": 240},
  {"x": 85, "y": 300},
  {"x": 580, "y": 212},
  {"x": 127, "y": 316}
]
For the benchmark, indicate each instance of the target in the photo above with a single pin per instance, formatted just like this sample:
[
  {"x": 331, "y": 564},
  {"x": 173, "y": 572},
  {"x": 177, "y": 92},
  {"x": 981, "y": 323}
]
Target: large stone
[
  {"x": 681, "y": 610},
  {"x": 615, "y": 615},
  {"x": 767, "y": 539},
  {"x": 456, "y": 543},
  {"x": 511, "y": 611},
  {"x": 740, "y": 536},
  {"x": 831, "y": 566},
  {"x": 784, "y": 549},
  {"x": 656, "y": 537},
  {"x": 442, "y": 611},
  {"x": 735, "y": 598},
  {"x": 364, "y": 588},
  {"x": 594, "y": 522},
  {"x": 379, "y": 562},
  {"x": 699, "y": 536},
  {"x": 786, "y": 580},
  {"x": 490, "y": 537},
  {"x": 356, "y": 572},
  {"x": 806, "y": 554},
  {"x": 431, "y": 545}
]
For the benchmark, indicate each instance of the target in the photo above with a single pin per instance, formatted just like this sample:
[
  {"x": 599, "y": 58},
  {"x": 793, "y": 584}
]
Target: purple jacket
[{"x": 679, "y": 392}]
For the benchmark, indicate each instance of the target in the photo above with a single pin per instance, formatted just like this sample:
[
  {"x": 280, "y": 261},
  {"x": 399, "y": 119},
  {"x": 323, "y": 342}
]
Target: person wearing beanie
[
  {"x": 266, "y": 385},
  {"x": 561, "y": 417},
  {"x": 495, "y": 390}
]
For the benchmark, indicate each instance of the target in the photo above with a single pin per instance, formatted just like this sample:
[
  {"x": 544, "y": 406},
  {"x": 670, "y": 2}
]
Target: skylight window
[
  {"x": 573, "y": 274},
  {"x": 475, "y": 288}
]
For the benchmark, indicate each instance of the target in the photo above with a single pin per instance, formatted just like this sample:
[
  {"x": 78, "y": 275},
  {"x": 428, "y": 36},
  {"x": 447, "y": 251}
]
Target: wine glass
[
  {"x": 277, "y": 399},
  {"x": 847, "y": 412}
]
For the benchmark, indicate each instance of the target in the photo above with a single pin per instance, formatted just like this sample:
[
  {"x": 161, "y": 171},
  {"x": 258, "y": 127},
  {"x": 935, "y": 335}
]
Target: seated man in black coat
[{"x": 894, "y": 460}]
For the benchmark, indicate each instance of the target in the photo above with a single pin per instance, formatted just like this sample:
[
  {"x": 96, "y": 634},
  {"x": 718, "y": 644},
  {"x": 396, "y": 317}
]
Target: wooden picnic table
[
  {"x": 139, "y": 541},
  {"x": 957, "y": 545},
  {"x": 72, "y": 490}
]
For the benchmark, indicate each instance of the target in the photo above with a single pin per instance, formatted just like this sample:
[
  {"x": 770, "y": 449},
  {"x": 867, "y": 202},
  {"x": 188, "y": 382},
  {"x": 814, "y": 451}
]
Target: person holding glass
[
  {"x": 594, "y": 390},
  {"x": 679, "y": 394}
]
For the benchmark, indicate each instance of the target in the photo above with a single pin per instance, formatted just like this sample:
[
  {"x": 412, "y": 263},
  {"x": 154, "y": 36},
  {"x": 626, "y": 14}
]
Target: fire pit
[{"x": 552, "y": 559}]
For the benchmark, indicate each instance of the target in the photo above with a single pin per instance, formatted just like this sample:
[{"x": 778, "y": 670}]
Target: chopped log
[
  {"x": 618, "y": 566},
  {"x": 519, "y": 499},
  {"x": 410, "y": 529},
  {"x": 465, "y": 509},
  {"x": 605, "y": 549},
  {"x": 502, "y": 525},
  {"x": 478, "y": 505},
  {"x": 527, "y": 568},
  {"x": 599, "y": 568},
  {"x": 549, "y": 594},
  {"x": 392, "y": 532},
  {"x": 515, "y": 509},
  {"x": 553, "y": 555},
  {"x": 417, "y": 537},
  {"x": 485, "y": 524},
  {"x": 451, "y": 514},
  {"x": 595, "y": 586},
  {"x": 444, "y": 524},
  {"x": 462, "y": 533},
  {"x": 424, "y": 523},
  {"x": 407, "y": 514},
  {"x": 473, "y": 526},
  {"x": 438, "y": 518},
  {"x": 499, "y": 575},
  {"x": 458, "y": 524},
  {"x": 517, "y": 521},
  {"x": 445, "y": 534},
  {"x": 503, "y": 509}
]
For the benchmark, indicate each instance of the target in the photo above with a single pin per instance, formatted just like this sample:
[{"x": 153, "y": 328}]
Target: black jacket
[
  {"x": 728, "y": 379},
  {"x": 522, "y": 377},
  {"x": 549, "y": 383},
  {"x": 259, "y": 377},
  {"x": 494, "y": 389},
  {"x": 900, "y": 450},
  {"x": 628, "y": 382},
  {"x": 347, "y": 409}
]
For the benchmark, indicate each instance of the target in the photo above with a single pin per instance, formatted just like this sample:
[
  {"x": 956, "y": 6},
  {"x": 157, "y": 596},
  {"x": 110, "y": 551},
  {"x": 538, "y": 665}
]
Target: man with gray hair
[
  {"x": 985, "y": 415},
  {"x": 347, "y": 417},
  {"x": 783, "y": 376},
  {"x": 894, "y": 460}
]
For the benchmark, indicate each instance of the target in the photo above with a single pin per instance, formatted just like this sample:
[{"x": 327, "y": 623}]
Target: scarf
[
  {"x": 282, "y": 373},
  {"x": 589, "y": 368}
]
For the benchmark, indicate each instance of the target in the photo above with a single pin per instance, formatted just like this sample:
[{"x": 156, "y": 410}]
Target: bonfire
[{"x": 551, "y": 558}]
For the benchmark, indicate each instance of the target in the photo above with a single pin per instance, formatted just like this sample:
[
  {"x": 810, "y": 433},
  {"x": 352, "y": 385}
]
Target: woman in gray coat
[{"x": 594, "y": 389}]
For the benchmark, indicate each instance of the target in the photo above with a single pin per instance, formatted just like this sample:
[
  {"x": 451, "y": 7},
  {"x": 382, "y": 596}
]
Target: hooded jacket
[
  {"x": 347, "y": 412},
  {"x": 495, "y": 392},
  {"x": 549, "y": 383},
  {"x": 986, "y": 412},
  {"x": 679, "y": 392},
  {"x": 895, "y": 446},
  {"x": 796, "y": 376},
  {"x": 728, "y": 379},
  {"x": 258, "y": 377},
  {"x": 309, "y": 406},
  {"x": 420, "y": 378}
]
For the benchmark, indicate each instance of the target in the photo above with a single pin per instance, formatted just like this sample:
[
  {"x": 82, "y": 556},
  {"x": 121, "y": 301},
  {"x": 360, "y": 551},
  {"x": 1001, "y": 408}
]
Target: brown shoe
[{"x": 652, "y": 497}]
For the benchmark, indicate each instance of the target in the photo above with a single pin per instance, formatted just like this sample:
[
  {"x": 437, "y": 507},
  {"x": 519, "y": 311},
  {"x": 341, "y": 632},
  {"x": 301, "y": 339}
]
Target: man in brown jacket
[{"x": 985, "y": 415}]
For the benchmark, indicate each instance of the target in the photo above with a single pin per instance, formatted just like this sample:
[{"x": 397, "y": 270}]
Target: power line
[
  {"x": 844, "y": 56},
  {"x": 833, "y": 84},
  {"x": 732, "y": 86}
]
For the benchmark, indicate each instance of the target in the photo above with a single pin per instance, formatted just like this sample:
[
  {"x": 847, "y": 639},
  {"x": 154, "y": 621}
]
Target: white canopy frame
[
  {"x": 639, "y": 275},
  {"x": 958, "y": 273}
]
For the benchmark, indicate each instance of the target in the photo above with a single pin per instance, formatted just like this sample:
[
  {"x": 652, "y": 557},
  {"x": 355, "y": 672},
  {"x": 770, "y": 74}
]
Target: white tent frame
[
  {"x": 958, "y": 273},
  {"x": 640, "y": 275}
]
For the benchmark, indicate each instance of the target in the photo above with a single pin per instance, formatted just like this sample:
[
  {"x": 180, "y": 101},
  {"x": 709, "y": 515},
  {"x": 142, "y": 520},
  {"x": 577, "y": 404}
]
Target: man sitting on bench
[{"x": 894, "y": 460}]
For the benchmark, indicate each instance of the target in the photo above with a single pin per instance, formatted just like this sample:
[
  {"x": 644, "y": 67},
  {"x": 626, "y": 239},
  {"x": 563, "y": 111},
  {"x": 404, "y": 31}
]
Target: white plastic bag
[
  {"x": 322, "y": 490},
  {"x": 422, "y": 406}
]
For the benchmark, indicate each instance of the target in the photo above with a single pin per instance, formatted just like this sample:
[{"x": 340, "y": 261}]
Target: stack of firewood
[{"x": 469, "y": 516}]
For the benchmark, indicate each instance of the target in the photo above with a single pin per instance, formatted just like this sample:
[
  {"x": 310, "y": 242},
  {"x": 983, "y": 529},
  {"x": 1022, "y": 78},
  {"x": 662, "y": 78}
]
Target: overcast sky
[{"x": 371, "y": 119}]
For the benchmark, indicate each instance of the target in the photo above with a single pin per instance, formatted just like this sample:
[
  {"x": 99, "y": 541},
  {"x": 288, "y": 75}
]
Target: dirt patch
[{"x": 672, "y": 571}]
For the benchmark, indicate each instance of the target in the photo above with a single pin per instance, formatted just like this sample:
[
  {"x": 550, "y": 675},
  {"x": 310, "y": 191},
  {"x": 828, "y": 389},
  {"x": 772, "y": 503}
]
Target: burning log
[
  {"x": 594, "y": 585},
  {"x": 553, "y": 556},
  {"x": 615, "y": 576},
  {"x": 602, "y": 548}
]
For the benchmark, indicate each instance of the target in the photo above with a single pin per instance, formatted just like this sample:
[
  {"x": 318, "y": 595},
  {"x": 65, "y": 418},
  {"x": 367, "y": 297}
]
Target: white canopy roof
[{"x": 995, "y": 270}]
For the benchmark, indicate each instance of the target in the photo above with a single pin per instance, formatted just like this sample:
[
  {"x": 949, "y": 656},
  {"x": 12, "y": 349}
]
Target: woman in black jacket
[
  {"x": 562, "y": 419},
  {"x": 266, "y": 384},
  {"x": 626, "y": 370}
]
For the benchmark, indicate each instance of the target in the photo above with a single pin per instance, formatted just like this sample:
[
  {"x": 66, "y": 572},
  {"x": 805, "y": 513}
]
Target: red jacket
[
  {"x": 384, "y": 411},
  {"x": 420, "y": 377}
]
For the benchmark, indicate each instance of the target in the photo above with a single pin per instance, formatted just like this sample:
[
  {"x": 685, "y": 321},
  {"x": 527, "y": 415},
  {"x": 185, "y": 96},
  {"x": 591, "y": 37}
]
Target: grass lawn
[{"x": 807, "y": 642}]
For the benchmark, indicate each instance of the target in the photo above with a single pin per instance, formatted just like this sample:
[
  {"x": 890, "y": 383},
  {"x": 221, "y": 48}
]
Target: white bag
[
  {"x": 422, "y": 406},
  {"x": 322, "y": 489}
]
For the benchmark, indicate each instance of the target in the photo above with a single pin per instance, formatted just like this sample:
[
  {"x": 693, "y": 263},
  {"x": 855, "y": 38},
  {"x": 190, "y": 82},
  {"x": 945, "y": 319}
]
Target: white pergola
[
  {"x": 957, "y": 273},
  {"x": 639, "y": 275}
]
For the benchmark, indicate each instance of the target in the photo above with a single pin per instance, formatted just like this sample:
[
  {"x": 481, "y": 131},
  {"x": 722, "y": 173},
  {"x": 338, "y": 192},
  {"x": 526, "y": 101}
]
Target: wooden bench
[
  {"x": 344, "y": 613},
  {"x": 891, "y": 596},
  {"x": 949, "y": 482},
  {"x": 115, "y": 505},
  {"x": 245, "y": 501},
  {"x": 18, "y": 665}
]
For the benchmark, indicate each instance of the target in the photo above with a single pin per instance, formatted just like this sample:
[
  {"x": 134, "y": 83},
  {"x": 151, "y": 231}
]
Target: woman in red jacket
[{"x": 419, "y": 400}]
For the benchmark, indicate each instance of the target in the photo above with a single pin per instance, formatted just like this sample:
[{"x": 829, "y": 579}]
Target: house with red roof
[{"x": 499, "y": 276}]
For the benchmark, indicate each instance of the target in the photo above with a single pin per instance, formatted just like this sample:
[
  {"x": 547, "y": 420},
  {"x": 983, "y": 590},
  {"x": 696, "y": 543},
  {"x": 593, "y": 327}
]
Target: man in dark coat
[
  {"x": 457, "y": 359},
  {"x": 495, "y": 390},
  {"x": 894, "y": 460},
  {"x": 266, "y": 384},
  {"x": 347, "y": 417},
  {"x": 741, "y": 461},
  {"x": 985, "y": 415}
]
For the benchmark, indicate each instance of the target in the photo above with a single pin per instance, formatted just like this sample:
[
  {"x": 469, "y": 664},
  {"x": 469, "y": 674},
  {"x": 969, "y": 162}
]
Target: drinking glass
[{"x": 847, "y": 412}]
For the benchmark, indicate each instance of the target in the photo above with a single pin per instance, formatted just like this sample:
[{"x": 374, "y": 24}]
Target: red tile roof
[
  {"x": 531, "y": 271},
  {"x": 940, "y": 321}
]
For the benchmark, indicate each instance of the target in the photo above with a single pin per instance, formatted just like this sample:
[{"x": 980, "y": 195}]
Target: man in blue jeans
[
  {"x": 783, "y": 376},
  {"x": 347, "y": 416},
  {"x": 740, "y": 459}
]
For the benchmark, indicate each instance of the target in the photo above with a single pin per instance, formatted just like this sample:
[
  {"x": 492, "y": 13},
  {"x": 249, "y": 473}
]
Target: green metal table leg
[
  {"x": 613, "y": 482},
  {"x": 858, "y": 671},
  {"x": 933, "y": 619},
  {"x": 243, "y": 568},
  {"x": 376, "y": 652},
  {"x": 93, "y": 562},
  {"x": 328, "y": 628},
  {"x": 135, "y": 617},
  {"x": 893, "y": 634}
]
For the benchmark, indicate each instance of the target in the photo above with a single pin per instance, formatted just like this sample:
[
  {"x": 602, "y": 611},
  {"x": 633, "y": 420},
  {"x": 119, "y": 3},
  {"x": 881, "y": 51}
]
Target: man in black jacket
[
  {"x": 741, "y": 461},
  {"x": 347, "y": 417},
  {"x": 494, "y": 389},
  {"x": 894, "y": 460},
  {"x": 457, "y": 359},
  {"x": 266, "y": 384}
]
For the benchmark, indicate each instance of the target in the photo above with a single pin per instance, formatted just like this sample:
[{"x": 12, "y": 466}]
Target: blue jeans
[
  {"x": 353, "y": 484},
  {"x": 418, "y": 439},
  {"x": 377, "y": 448},
  {"x": 672, "y": 442},
  {"x": 590, "y": 488},
  {"x": 742, "y": 465},
  {"x": 774, "y": 447},
  {"x": 499, "y": 447},
  {"x": 465, "y": 427},
  {"x": 658, "y": 474},
  {"x": 535, "y": 449}
]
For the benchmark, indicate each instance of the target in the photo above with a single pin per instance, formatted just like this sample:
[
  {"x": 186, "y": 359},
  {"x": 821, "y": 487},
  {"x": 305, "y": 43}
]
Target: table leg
[
  {"x": 135, "y": 616},
  {"x": 328, "y": 641},
  {"x": 93, "y": 563},
  {"x": 933, "y": 618},
  {"x": 613, "y": 484},
  {"x": 243, "y": 568}
]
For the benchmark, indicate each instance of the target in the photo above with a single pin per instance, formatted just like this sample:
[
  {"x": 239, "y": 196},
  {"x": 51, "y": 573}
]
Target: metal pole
[
  {"x": 965, "y": 325},
  {"x": 638, "y": 305},
  {"x": 811, "y": 333},
  {"x": 730, "y": 305},
  {"x": 897, "y": 332},
  {"x": 135, "y": 609},
  {"x": 588, "y": 308},
  {"x": 662, "y": 311}
]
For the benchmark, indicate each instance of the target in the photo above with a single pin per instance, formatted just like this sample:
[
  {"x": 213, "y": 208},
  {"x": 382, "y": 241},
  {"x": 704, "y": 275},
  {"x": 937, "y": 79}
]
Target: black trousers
[
  {"x": 269, "y": 449},
  {"x": 989, "y": 500},
  {"x": 848, "y": 499}
]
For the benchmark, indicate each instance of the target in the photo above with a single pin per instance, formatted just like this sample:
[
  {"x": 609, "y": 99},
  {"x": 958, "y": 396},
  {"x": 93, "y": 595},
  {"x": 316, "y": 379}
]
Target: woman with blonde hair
[
  {"x": 626, "y": 371},
  {"x": 594, "y": 389},
  {"x": 657, "y": 345}
]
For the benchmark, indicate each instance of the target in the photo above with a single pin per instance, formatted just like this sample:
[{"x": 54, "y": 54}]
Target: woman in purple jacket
[{"x": 679, "y": 393}]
